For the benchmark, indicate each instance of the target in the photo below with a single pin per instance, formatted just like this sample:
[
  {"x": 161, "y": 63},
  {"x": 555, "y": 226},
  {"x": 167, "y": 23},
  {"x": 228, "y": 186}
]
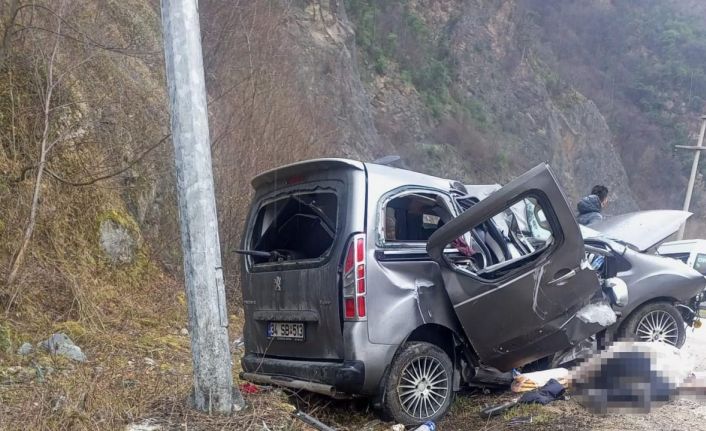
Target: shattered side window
[
  {"x": 512, "y": 236},
  {"x": 412, "y": 217}
]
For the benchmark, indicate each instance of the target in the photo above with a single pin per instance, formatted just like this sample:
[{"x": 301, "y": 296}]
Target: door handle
[{"x": 563, "y": 278}]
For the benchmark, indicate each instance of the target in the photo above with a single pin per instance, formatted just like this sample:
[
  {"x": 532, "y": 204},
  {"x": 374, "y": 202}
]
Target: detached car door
[{"x": 517, "y": 299}]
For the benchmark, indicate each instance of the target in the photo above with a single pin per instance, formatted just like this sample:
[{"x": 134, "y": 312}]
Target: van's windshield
[{"x": 297, "y": 227}]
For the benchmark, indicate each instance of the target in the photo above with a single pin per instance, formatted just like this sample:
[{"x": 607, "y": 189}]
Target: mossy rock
[
  {"x": 119, "y": 237},
  {"x": 75, "y": 330}
]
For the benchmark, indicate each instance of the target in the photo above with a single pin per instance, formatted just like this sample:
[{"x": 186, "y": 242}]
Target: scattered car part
[
  {"x": 498, "y": 409},
  {"x": 312, "y": 421},
  {"x": 519, "y": 421}
]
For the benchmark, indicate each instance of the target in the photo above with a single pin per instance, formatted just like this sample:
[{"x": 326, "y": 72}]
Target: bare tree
[
  {"x": 78, "y": 119},
  {"x": 44, "y": 148}
]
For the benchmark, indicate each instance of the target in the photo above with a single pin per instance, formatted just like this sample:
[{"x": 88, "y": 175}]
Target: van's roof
[
  {"x": 684, "y": 246},
  {"x": 299, "y": 168}
]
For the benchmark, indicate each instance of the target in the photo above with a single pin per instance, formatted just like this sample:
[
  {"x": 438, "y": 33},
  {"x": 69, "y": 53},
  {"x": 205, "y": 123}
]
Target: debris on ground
[
  {"x": 551, "y": 391},
  {"x": 519, "y": 420},
  {"x": 498, "y": 409},
  {"x": 397, "y": 427},
  {"x": 427, "y": 426},
  {"x": 60, "y": 344},
  {"x": 146, "y": 425},
  {"x": 312, "y": 421},
  {"x": 25, "y": 349},
  {"x": 530, "y": 381},
  {"x": 239, "y": 343},
  {"x": 249, "y": 389},
  {"x": 630, "y": 377}
]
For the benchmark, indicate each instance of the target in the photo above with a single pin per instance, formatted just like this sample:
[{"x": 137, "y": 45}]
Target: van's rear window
[{"x": 298, "y": 227}]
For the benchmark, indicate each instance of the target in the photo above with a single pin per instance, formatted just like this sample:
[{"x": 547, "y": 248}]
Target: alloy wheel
[
  {"x": 424, "y": 387},
  {"x": 658, "y": 325}
]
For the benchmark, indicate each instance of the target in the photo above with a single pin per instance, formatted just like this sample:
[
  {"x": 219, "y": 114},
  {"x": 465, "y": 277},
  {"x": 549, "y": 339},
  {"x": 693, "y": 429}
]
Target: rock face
[
  {"x": 522, "y": 114},
  {"x": 60, "y": 344},
  {"x": 118, "y": 242},
  {"x": 504, "y": 112}
]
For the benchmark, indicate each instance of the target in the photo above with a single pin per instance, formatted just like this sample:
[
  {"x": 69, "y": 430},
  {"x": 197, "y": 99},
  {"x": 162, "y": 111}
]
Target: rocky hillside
[
  {"x": 602, "y": 90},
  {"x": 484, "y": 90}
]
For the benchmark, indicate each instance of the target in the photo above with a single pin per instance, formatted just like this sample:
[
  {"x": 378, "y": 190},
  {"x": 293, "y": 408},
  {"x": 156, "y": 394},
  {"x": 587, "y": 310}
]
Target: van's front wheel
[{"x": 419, "y": 387}]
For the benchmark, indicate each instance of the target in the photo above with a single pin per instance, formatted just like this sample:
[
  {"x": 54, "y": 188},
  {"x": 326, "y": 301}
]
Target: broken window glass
[
  {"x": 512, "y": 237},
  {"x": 413, "y": 217},
  {"x": 298, "y": 227}
]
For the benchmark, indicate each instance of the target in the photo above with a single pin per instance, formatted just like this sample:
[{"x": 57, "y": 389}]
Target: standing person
[{"x": 590, "y": 207}]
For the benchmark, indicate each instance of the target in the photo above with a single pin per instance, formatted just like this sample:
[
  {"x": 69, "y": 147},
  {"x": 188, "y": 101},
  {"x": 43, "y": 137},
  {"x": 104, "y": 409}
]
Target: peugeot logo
[{"x": 278, "y": 283}]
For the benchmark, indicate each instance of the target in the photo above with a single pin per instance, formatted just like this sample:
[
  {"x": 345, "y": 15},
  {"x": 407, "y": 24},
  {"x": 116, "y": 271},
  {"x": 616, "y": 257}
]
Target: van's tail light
[{"x": 354, "y": 289}]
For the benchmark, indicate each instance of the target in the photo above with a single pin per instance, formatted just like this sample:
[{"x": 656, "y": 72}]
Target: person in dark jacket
[{"x": 590, "y": 207}]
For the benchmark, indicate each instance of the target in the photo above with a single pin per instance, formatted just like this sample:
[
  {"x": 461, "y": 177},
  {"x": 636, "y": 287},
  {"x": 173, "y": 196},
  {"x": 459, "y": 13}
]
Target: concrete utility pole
[
  {"x": 694, "y": 170},
  {"x": 208, "y": 318}
]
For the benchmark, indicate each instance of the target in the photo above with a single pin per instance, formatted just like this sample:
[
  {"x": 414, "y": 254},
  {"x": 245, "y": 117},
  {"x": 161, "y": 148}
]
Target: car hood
[{"x": 641, "y": 229}]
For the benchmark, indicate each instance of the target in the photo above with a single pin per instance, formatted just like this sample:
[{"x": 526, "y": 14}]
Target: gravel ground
[{"x": 681, "y": 414}]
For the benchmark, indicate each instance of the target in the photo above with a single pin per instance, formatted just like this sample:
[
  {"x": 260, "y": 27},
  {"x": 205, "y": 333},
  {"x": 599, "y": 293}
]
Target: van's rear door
[{"x": 301, "y": 219}]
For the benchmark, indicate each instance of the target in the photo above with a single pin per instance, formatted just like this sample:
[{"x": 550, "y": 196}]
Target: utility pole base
[{"x": 213, "y": 403}]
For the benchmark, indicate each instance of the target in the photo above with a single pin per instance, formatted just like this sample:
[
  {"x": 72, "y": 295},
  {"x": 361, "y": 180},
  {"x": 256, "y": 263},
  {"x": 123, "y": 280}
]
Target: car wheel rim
[
  {"x": 423, "y": 387},
  {"x": 658, "y": 326}
]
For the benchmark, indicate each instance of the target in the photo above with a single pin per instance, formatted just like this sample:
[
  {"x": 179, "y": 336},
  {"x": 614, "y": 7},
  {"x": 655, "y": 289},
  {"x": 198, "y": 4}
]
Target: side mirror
[{"x": 617, "y": 290}]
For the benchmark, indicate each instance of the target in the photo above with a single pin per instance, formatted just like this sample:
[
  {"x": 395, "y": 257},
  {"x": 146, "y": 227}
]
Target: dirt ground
[
  {"x": 561, "y": 415},
  {"x": 678, "y": 415}
]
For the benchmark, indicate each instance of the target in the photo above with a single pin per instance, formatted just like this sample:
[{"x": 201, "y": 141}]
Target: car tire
[
  {"x": 419, "y": 385},
  {"x": 658, "y": 321}
]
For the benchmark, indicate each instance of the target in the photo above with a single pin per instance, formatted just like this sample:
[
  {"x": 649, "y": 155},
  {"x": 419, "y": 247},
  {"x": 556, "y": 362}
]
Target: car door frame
[
  {"x": 412, "y": 280},
  {"x": 540, "y": 332}
]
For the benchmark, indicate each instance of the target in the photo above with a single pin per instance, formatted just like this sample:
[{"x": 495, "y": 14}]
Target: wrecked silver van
[{"x": 366, "y": 280}]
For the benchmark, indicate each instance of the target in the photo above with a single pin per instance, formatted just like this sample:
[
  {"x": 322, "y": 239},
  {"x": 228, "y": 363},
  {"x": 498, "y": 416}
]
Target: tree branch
[{"x": 132, "y": 163}]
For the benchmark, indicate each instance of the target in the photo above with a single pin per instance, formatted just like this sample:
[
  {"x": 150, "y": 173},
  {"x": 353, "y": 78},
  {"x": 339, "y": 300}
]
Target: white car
[{"x": 691, "y": 251}]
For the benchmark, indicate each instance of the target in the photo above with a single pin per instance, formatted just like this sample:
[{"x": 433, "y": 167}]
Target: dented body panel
[
  {"x": 539, "y": 294},
  {"x": 545, "y": 302},
  {"x": 642, "y": 229}
]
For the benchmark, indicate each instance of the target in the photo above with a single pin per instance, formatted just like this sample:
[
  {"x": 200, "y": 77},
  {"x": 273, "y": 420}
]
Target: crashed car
[{"x": 365, "y": 280}]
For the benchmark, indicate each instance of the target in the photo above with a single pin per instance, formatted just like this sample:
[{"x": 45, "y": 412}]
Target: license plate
[{"x": 286, "y": 331}]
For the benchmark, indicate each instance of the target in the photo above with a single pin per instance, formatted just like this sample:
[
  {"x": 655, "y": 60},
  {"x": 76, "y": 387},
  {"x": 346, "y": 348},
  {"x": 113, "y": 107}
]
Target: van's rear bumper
[{"x": 329, "y": 378}]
